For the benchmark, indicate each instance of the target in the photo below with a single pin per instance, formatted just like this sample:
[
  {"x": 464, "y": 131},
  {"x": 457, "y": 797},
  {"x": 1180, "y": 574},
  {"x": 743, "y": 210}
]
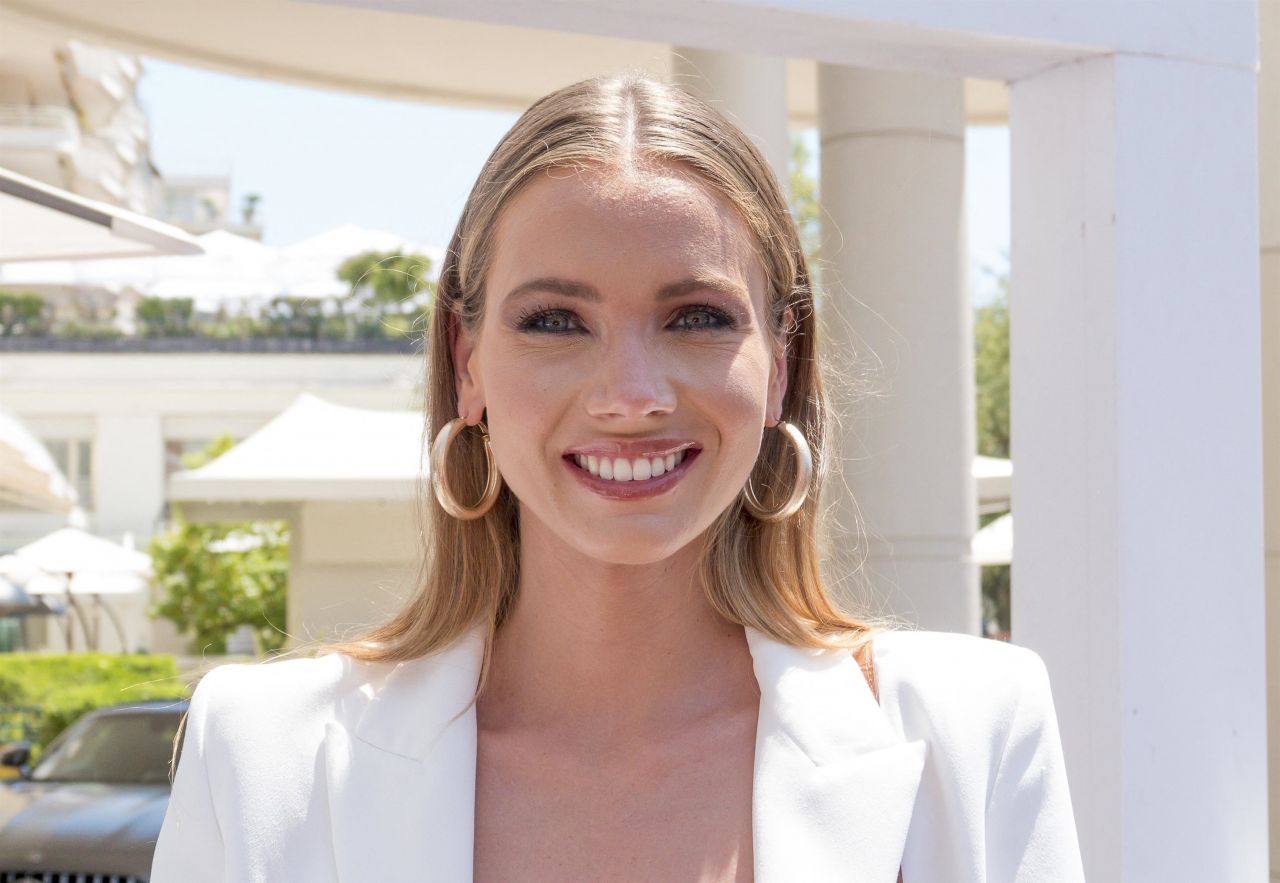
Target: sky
[{"x": 319, "y": 159}]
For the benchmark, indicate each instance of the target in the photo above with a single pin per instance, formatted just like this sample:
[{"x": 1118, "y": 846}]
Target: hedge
[{"x": 65, "y": 686}]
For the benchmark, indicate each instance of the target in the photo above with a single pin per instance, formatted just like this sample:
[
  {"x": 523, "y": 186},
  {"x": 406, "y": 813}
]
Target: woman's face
[{"x": 623, "y": 364}]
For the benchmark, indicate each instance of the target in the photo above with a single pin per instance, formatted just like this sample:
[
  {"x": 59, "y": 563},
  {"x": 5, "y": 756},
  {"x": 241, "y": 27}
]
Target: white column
[
  {"x": 899, "y": 327},
  {"x": 1269, "y": 193},
  {"x": 128, "y": 475},
  {"x": 1135, "y": 373},
  {"x": 751, "y": 90}
]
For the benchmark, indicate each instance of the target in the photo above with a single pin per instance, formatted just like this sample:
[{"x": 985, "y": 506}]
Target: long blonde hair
[{"x": 756, "y": 573}]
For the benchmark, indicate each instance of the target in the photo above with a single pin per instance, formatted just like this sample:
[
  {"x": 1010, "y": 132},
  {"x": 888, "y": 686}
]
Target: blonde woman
[{"x": 621, "y": 662}]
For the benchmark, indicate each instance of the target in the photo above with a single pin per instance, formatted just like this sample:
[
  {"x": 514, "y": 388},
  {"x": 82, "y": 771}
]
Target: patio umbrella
[
  {"x": 73, "y": 562},
  {"x": 14, "y": 601},
  {"x": 40, "y": 222}
]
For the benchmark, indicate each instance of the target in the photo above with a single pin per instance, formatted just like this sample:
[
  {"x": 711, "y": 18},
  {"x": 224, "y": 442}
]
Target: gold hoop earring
[
  {"x": 440, "y": 479},
  {"x": 799, "y": 490}
]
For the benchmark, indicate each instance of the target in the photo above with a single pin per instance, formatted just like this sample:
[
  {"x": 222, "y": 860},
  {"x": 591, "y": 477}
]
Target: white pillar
[
  {"x": 897, "y": 316},
  {"x": 128, "y": 475},
  {"x": 1135, "y": 385},
  {"x": 751, "y": 90},
  {"x": 1269, "y": 193}
]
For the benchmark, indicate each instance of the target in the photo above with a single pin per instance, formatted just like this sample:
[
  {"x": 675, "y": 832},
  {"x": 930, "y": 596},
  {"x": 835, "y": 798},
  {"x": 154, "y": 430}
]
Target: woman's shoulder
[
  {"x": 950, "y": 681},
  {"x": 950, "y": 655},
  {"x": 250, "y": 697}
]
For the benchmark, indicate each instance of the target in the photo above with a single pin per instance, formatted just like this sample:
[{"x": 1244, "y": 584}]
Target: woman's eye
[
  {"x": 699, "y": 318},
  {"x": 550, "y": 322},
  {"x": 556, "y": 321}
]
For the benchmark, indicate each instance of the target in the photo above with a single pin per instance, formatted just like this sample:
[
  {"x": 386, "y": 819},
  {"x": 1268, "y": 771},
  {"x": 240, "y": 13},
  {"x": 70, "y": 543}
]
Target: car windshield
[{"x": 118, "y": 748}]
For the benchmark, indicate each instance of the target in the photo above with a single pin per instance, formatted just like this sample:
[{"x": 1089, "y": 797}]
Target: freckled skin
[{"x": 628, "y": 373}]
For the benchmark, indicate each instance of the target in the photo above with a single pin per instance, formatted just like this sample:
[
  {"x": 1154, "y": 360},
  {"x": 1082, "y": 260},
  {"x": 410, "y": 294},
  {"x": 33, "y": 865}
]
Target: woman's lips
[{"x": 632, "y": 490}]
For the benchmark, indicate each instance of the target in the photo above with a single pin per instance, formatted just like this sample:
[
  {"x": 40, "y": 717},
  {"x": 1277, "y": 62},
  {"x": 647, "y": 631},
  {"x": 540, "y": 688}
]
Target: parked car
[{"x": 91, "y": 808}]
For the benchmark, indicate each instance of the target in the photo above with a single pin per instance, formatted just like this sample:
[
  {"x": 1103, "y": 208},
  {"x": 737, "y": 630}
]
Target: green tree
[
  {"x": 24, "y": 315},
  {"x": 804, "y": 201},
  {"x": 991, "y": 371},
  {"x": 166, "y": 317},
  {"x": 391, "y": 292},
  {"x": 249, "y": 207},
  {"x": 213, "y": 578},
  {"x": 991, "y": 379}
]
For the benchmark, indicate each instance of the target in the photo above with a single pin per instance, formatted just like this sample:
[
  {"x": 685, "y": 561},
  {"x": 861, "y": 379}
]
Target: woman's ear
[
  {"x": 469, "y": 390},
  {"x": 778, "y": 371}
]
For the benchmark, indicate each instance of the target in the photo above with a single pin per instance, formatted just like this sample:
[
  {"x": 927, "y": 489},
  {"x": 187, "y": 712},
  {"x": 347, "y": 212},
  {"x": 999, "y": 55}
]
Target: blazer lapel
[
  {"x": 833, "y": 794},
  {"x": 401, "y": 781},
  {"x": 835, "y": 784}
]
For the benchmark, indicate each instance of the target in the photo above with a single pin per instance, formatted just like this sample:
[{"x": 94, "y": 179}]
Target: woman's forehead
[{"x": 662, "y": 220}]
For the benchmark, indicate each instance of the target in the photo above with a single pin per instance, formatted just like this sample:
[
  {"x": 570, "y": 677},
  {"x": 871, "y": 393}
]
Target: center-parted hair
[{"x": 756, "y": 573}]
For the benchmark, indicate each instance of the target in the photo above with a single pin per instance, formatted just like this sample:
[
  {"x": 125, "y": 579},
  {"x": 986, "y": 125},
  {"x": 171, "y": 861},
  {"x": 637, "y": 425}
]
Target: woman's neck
[{"x": 609, "y": 652}]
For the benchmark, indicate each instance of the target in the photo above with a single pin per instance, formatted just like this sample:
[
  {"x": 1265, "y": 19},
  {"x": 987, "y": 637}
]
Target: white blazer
[{"x": 327, "y": 769}]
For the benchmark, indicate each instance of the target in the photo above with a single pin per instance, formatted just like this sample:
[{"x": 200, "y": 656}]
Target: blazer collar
[{"x": 833, "y": 794}]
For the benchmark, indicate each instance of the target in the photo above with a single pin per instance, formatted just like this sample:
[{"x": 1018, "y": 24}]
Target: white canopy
[
  {"x": 314, "y": 450},
  {"x": 73, "y": 562},
  {"x": 994, "y": 543},
  {"x": 994, "y": 476},
  {"x": 39, "y": 222},
  {"x": 97, "y": 566},
  {"x": 309, "y": 268},
  {"x": 14, "y": 601},
  {"x": 29, "y": 478}
]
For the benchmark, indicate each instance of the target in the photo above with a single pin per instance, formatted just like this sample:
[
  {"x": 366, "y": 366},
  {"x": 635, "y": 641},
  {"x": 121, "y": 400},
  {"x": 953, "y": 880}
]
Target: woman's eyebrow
[{"x": 584, "y": 291}]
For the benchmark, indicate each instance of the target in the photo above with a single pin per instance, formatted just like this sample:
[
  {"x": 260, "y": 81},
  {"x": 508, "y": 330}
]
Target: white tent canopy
[
  {"x": 40, "y": 222},
  {"x": 309, "y": 268},
  {"x": 994, "y": 477},
  {"x": 994, "y": 543},
  {"x": 314, "y": 450}
]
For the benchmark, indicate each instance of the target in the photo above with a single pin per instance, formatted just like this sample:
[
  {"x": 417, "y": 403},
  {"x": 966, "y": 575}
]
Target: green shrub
[
  {"x": 65, "y": 686},
  {"x": 24, "y": 314},
  {"x": 165, "y": 317}
]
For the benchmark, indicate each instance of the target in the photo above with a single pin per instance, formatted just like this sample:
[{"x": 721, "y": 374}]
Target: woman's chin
[{"x": 629, "y": 541}]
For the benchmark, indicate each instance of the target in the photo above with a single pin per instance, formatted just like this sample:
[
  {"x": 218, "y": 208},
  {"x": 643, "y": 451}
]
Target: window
[{"x": 74, "y": 457}]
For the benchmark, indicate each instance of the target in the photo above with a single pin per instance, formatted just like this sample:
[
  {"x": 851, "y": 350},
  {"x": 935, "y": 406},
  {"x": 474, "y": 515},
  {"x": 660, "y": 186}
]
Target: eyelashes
[{"x": 557, "y": 320}]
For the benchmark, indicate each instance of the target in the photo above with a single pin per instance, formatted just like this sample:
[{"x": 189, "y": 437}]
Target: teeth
[{"x": 618, "y": 469}]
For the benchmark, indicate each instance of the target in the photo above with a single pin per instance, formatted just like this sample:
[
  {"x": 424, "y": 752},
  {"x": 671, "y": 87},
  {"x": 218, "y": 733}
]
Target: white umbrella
[
  {"x": 16, "y": 601},
  {"x": 230, "y": 268},
  {"x": 40, "y": 222},
  {"x": 74, "y": 562},
  {"x": 994, "y": 543},
  {"x": 309, "y": 267},
  {"x": 29, "y": 478}
]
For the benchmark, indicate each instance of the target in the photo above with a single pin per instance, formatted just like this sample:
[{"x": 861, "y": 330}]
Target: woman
[{"x": 622, "y": 662}]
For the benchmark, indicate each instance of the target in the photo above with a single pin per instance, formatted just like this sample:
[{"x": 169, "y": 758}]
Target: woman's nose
[{"x": 631, "y": 380}]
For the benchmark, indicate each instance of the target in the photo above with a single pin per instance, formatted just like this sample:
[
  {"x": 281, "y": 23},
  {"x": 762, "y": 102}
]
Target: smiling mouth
[
  {"x": 626, "y": 469},
  {"x": 629, "y": 479}
]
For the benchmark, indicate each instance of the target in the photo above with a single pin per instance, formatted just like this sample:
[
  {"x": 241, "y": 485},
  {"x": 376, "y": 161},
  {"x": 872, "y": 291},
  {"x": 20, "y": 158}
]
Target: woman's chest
[{"x": 678, "y": 810}]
